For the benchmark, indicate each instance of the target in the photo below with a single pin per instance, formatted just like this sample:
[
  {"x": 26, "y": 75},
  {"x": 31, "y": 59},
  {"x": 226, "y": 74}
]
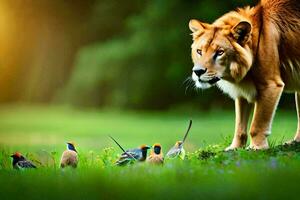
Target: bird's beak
[
  {"x": 148, "y": 147},
  {"x": 12, "y": 156}
]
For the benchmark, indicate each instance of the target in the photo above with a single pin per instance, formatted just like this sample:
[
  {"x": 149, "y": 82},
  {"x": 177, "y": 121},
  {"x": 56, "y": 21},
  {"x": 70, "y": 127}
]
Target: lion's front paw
[
  {"x": 259, "y": 142},
  {"x": 288, "y": 143},
  {"x": 255, "y": 147},
  {"x": 232, "y": 147},
  {"x": 238, "y": 142},
  {"x": 292, "y": 142}
]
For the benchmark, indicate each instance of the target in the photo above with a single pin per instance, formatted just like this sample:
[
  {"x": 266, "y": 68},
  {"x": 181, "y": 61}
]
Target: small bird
[
  {"x": 156, "y": 155},
  {"x": 131, "y": 155},
  {"x": 69, "y": 157},
  {"x": 177, "y": 150},
  {"x": 20, "y": 162}
]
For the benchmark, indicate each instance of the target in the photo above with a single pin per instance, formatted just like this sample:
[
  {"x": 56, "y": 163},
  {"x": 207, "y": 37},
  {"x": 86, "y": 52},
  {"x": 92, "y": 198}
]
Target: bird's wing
[
  {"x": 25, "y": 164},
  {"x": 136, "y": 153},
  {"x": 173, "y": 152},
  {"x": 122, "y": 162},
  {"x": 129, "y": 156}
]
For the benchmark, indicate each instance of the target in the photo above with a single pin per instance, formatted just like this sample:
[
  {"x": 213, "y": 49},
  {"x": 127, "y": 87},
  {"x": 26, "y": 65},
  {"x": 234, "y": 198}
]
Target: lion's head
[{"x": 221, "y": 50}]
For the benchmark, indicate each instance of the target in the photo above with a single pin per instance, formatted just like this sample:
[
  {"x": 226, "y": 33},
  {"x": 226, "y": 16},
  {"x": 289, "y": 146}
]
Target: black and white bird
[
  {"x": 131, "y": 155},
  {"x": 20, "y": 162}
]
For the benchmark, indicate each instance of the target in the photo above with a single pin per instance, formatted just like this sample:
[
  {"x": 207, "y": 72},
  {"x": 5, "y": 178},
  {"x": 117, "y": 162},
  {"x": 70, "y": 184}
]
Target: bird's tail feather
[
  {"x": 121, "y": 147},
  {"x": 187, "y": 132},
  {"x": 117, "y": 143}
]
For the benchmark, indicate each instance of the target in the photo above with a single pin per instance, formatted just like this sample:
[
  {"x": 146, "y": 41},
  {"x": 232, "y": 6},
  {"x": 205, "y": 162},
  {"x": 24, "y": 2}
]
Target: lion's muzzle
[{"x": 204, "y": 79}]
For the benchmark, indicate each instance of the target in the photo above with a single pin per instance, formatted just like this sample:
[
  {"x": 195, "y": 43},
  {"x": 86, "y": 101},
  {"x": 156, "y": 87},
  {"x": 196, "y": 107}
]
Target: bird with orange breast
[
  {"x": 20, "y": 162},
  {"x": 69, "y": 156},
  {"x": 156, "y": 155}
]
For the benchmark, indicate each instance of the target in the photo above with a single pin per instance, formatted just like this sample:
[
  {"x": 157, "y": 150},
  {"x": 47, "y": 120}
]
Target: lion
[{"x": 253, "y": 55}]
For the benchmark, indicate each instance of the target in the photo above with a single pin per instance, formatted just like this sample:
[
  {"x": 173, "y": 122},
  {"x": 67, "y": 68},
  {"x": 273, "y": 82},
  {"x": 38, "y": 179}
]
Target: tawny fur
[
  {"x": 155, "y": 158},
  {"x": 258, "y": 67},
  {"x": 69, "y": 158}
]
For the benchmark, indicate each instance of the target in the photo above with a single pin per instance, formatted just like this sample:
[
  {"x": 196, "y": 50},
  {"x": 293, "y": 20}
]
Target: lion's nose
[{"x": 199, "y": 72}]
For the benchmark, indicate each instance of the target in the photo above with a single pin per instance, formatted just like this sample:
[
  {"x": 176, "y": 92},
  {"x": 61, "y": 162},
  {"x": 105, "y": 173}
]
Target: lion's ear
[
  {"x": 241, "y": 32},
  {"x": 196, "y": 25}
]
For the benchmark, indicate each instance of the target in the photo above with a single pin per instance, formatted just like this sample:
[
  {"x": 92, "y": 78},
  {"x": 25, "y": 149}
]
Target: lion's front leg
[
  {"x": 242, "y": 113},
  {"x": 265, "y": 106},
  {"x": 297, "y": 99}
]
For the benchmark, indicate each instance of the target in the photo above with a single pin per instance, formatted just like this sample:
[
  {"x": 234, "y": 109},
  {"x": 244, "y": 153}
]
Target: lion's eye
[
  {"x": 220, "y": 52},
  {"x": 199, "y": 51}
]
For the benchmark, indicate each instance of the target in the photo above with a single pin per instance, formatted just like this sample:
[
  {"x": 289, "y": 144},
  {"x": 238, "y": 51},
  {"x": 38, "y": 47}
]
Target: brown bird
[
  {"x": 69, "y": 156},
  {"x": 20, "y": 162},
  {"x": 156, "y": 155}
]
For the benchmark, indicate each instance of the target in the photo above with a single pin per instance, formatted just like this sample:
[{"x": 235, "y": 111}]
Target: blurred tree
[
  {"x": 40, "y": 38},
  {"x": 146, "y": 67}
]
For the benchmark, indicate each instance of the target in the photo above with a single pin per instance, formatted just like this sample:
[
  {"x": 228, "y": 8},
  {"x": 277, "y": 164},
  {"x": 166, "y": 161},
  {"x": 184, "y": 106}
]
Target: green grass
[{"x": 207, "y": 173}]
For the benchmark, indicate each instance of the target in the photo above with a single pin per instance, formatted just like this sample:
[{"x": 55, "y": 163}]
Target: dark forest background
[{"x": 132, "y": 54}]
